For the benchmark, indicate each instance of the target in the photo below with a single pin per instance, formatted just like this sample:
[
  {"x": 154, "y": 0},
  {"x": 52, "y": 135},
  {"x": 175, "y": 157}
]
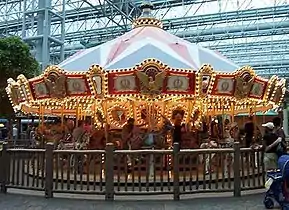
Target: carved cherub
[
  {"x": 56, "y": 88},
  {"x": 243, "y": 86},
  {"x": 151, "y": 85}
]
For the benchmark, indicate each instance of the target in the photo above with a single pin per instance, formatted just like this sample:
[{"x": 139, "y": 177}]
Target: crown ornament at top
[{"x": 146, "y": 18}]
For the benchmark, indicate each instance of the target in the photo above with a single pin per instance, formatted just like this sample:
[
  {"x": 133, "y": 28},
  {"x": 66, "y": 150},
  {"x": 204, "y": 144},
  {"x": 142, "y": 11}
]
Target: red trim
[
  {"x": 111, "y": 87},
  {"x": 260, "y": 81},
  {"x": 217, "y": 80}
]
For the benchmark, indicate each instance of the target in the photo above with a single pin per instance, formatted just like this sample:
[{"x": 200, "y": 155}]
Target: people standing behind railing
[
  {"x": 180, "y": 131},
  {"x": 235, "y": 131},
  {"x": 204, "y": 129},
  {"x": 214, "y": 131},
  {"x": 131, "y": 135},
  {"x": 281, "y": 148},
  {"x": 249, "y": 129},
  {"x": 32, "y": 137},
  {"x": 29, "y": 128},
  {"x": 14, "y": 135},
  {"x": 80, "y": 137},
  {"x": 228, "y": 134},
  {"x": 178, "y": 127},
  {"x": 270, "y": 142}
]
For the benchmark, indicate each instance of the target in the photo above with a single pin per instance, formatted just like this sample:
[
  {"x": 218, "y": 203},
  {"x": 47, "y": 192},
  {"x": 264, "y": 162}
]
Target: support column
[{"x": 36, "y": 29}]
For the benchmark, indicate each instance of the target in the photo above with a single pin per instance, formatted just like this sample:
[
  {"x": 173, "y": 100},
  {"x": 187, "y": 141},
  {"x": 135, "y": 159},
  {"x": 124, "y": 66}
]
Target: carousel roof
[
  {"x": 146, "y": 69},
  {"x": 144, "y": 42}
]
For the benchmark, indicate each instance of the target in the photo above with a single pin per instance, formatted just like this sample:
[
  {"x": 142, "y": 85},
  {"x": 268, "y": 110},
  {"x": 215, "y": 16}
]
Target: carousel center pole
[
  {"x": 76, "y": 114},
  {"x": 104, "y": 108}
]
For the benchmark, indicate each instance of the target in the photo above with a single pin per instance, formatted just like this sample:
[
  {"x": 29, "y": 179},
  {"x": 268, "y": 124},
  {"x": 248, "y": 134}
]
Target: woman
[{"x": 131, "y": 135}]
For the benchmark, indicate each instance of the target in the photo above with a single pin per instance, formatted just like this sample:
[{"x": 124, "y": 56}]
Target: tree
[{"x": 15, "y": 59}]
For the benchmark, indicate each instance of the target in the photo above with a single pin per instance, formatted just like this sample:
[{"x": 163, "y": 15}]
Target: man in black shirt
[
  {"x": 177, "y": 129},
  {"x": 177, "y": 132},
  {"x": 249, "y": 132}
]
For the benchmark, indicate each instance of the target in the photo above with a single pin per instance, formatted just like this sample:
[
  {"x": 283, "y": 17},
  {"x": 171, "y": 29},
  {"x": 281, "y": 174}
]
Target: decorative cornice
[{"x": 147, "y": 21}]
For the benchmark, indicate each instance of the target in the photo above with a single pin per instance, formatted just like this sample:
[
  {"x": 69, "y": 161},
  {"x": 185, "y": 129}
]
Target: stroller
[{"x": 276, "y": 185}]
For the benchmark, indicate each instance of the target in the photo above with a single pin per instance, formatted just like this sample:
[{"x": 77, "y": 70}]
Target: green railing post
[
  {"x": 4, "y": 163},
  {"x": 236, "y": 166},
  {"x": 109, "y": 173},
  {"x": 48, "y": 170},
  {"x": 176, "y": 174}
]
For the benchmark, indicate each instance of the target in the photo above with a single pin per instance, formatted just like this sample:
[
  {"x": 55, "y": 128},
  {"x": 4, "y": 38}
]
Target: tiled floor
[{"x": 211, "y": 202}]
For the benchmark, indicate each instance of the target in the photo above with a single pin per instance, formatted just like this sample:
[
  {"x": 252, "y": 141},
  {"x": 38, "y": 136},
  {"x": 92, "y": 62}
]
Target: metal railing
[{"x": 113, "y": 172}]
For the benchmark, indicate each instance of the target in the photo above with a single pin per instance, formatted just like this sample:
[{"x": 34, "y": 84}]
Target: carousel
[{"x": 147, "y": 75}]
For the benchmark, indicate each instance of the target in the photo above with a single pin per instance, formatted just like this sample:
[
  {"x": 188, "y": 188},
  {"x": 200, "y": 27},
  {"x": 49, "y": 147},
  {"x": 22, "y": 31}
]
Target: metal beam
[
  {"x": 256, "y": 45},
  {"x": 223, "y": 17},
  {"x": 261, "y": 29},
  {"x": 188, "y": 22},
  {"x": 268, "y": 63},
  {"x": 101, "y": 9},
  {"x": 256, "y": 54}
]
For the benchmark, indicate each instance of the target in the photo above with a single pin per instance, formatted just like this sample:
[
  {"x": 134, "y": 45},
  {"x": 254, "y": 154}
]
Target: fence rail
[{"x": 112, "y": 172}]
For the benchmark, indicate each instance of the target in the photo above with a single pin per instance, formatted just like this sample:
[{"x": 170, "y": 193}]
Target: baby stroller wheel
[{"x": 269, "y": 203}]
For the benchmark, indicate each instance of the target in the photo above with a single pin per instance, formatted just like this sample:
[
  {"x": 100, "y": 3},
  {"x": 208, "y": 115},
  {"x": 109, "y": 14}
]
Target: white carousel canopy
[{"x": 146, "y": 42}]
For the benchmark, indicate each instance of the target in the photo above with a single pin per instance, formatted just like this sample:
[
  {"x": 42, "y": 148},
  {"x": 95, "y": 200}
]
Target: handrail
[{"x": 113, "y": 172}]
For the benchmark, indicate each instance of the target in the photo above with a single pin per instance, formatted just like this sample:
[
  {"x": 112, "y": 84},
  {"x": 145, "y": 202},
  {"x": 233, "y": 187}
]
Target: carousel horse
[{"x": 207, "y": 158}]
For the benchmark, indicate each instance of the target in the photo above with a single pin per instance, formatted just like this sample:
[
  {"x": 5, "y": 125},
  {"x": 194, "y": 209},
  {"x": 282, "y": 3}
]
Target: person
[
  {"x": 249, "y": 132},
  {"x": 178, "y": 126},
  {"x": 234, "y": 131},
  {"x": 229, "y": 139},
  {"x": 87, "y": 125},
  {"x": 80, "y": 139},
  {"x": 29, "y": 128},
  {"x": 204, "y": 129},
  {"x": 32, "y": 137},
  {"x": 131, "y": 135},
  {"x": 270, "y": 142},
  {"x": 281, "y": 149},
  {"x": 214, "y": 132},
  {"x": 227, "y": 127},
  {"x": 79, "y": 136},
  {"x": 14, "y": 135}
]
